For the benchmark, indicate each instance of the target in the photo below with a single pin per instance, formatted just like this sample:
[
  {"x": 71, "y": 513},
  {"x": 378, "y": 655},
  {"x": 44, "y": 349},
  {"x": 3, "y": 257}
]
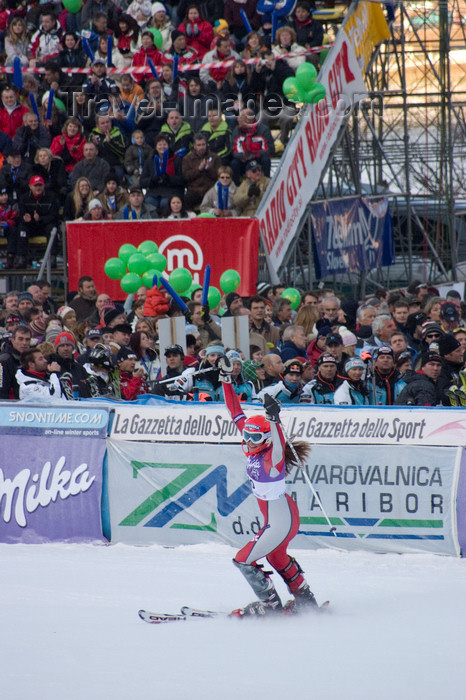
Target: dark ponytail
[{"x": 302, "y": 449}]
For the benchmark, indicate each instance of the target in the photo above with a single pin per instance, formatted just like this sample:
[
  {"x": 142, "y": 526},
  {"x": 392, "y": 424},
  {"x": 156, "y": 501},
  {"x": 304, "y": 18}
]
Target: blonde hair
[
  {"x": 12, "y": 36},
  {"x": 78, "y": 201}
]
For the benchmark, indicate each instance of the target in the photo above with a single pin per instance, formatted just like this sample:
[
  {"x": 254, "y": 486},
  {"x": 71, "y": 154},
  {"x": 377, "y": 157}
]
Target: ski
[
  {"x": 188, "y": 613},
  {"x": 160, "y": 618}
]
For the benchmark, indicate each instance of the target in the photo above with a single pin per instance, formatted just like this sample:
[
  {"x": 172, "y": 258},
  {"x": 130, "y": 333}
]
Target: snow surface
[{"x": 70, "y": 629}]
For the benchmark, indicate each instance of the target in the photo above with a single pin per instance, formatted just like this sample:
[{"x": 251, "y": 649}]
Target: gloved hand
[
  {"x": 272, "y": 408},
  {"x": 196, "y": 31},
  {"x": 183, "y": 383},
  {"x": 205, "y": 312},
  {"x": 226, "y": 369},
  {"x": 366, "y": 356},
  {"x": 254, "y": 191},
  {"x": 188, "y": 316}
]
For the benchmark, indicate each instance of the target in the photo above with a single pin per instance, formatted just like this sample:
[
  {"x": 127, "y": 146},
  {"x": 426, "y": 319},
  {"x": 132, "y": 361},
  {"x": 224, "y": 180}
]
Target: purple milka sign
[
  {"x": 50, "y": 489},
  {"x": 461, "y": 505}
]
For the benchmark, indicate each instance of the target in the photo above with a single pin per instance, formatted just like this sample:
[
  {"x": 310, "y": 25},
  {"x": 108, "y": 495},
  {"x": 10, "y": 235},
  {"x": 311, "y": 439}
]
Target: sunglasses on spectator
[
  {"x": 224, "y": 177},
  {"x": 433, "y": 335}
]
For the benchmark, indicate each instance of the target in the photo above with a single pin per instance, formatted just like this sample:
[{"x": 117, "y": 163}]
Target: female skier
[{"x": 269, "y": 459}]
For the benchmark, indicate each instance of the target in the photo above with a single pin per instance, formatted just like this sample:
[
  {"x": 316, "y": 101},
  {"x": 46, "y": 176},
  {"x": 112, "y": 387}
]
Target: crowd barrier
[{"x": 162, "y": 472}]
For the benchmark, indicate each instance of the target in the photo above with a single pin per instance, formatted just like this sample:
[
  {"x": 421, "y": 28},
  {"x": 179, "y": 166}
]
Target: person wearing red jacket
[
  {"x": 141, "y": 57},
  {"x": 8, "y": 219},
  {"x": 70, "y": 145},
  {"x": 132, "y": 382},
  {"x": 11, "y": 112},
  {"x": 213, "y": 77},
  {"x": 199, "y": 33}
]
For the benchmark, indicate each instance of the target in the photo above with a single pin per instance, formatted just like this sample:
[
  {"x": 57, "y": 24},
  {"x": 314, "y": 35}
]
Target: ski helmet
[{"x": 256, "y": 430}]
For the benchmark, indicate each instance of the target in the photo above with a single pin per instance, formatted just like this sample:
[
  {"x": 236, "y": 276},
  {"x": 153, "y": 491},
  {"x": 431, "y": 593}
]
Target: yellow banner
[{"x": 366, "y": 27}]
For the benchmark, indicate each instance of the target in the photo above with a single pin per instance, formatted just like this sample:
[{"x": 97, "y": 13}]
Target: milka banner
[
  {"x": 50, "y": 489},
  {"x": 352, "y": 235},
  {"x": 403, "y": 501},
  {"x": 203, "y": 422},
  {"x": 304, "y": 160}
]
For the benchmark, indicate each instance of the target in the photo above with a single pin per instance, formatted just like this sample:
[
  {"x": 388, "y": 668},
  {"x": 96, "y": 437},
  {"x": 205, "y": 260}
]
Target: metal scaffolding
[{"x": 407, "y": 141}]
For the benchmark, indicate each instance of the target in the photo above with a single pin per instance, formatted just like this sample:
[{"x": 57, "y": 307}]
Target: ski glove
[
  {"x": 183, "y": 383},
  {"x": 226, "y": 369},
  {"x": 272, "y": 408}
]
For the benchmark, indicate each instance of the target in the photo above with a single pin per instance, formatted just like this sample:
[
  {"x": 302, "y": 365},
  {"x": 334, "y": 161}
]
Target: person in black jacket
[
  {"x": 30, "y": 137},
  {"x": 162, "y": 175},
  {"x": 38, "y": 215},
  {"x": 421, "y": 387},
  {"x": 10, "y": 361},
  {"x": 15, "y": 174},
  {"x": 453, "y": 362},
  {"x": 73, "y": 376}
]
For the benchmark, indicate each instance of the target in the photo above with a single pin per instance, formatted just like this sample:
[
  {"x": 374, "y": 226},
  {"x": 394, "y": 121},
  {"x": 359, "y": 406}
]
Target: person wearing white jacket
[{"x": 37, "y": 379}]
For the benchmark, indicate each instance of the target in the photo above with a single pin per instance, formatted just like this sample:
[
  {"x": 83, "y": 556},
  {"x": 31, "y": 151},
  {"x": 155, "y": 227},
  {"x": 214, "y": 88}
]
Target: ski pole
[
  {"x": 199, "y": 373},
  {"x": 308, "y": 481}
]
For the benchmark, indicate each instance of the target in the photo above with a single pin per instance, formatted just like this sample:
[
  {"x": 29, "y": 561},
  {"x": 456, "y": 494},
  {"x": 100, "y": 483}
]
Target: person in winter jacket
[
  {"x": 214, "y": 76},
  {"x": 388, "y": 381},
  {"x": 73, "y": 376},
  {"x": 251, "y": 141},
  {"x": 70, "y": 145},
  {"x": 285, "y": 43},
  {"x": 71, "y": 55},
  {"x": 219, "y": 200},
  {"x": 137, "y": 209},
  {"x": 141, "y": 11},
  {"x": 127, "y": 34},
  {"x": 232, "y": 14},
  {"x": 199, "y": 33},
  {"x": 178, "y": 133},
  {"x": 98, "y": 84},
  {"x": 11, "y": 112},
  {"x": 30, "y": 137},
  {"x": 94, "y": 168},
  {"x": 309, "y": 33},
  {"x": 141, "y": 58},
  {"x": 162, "y": 175},
  {"x": 218, "y": 134},
  {"x": 199, "y": 170},
  {"x": 185, "y": 55},
  {"x": 46, "y": 42},
  {"x": 113, "y": 198},
  {"x": 421, "y": 387},
  {"x": 161, "y": 21},
  {"x": 17, "y": 43},
  {"x": 10, "y": 361},
  {"x": 321, "y": 389},
  {"x": 294, "y": 344},
  {"x": 353, "y": 391},
  {"x": 8, "y": 221},
  {"x": 38, "y": 215},
  {"x": 251, "y": 191},
  {"x": 132, "y": 381},
  {"x": 289, "y": 388},
  {"x": 92, "y": 8},
  {"x": 37, "y": 377},
  {"x": 136, "y": 155}
]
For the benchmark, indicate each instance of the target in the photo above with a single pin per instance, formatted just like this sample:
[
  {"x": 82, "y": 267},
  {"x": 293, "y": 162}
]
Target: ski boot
[
  {"x": 272, "y": 604},
  {"x": 259, "y": 580},
  {"x": 303, "y": 597}
]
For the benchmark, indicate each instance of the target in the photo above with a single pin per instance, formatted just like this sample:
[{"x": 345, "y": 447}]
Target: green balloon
[
  {"x": 290, "y": 89},
  {"x": 115, "y": 268},
  {"x": 158, "y": 38},
  {"x": 72, "y": 6},
  {"x": 293, "y": 296},
  {"x": 126, "y": 251},
  {"x": 157, "y": 261},
  {"x": 181, "y": 280},
  {"x": 148, "y": 247},
  {"x": 148, "y": 278},
  {"x": 206, "y": 215},
  {"x": 130, "y": 283},
  {"x": 306, "y": 75},
  {"x": 138, "y": 263},
  {"x": 213, "y": 297},
  {"x": 315, "y": 95},
  {"x": 230, "y": 281}
]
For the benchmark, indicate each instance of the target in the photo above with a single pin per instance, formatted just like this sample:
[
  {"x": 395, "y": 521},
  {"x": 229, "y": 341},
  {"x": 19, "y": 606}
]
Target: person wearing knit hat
[
  {"x": 243, "y": 389},
  {"x": 353, "y": 391},
  {"x": 388, "y": 381},
  {"x": 316, "y": 347},
  {"x": 25, "y": 302},
  {"x": 254, "y": 372},
  {"x": 113, "y": 317},
  {"x": 64, "y": 338},
  {"x": 452, "y": 353},
  {"x": 449, "y": 316},
  {"x": 422, "y": 387},
  {"x": 234, "y": 304},
  {"x": 349, "y": 341},
  {"x": 321, "y": 389}
]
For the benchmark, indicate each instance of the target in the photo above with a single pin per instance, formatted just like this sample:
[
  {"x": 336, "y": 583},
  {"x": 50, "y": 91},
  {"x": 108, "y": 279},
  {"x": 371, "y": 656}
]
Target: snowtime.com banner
[
  {"x": 352, "y": 235},
  {"x": 202, "y": 422},
  {"x": 399, "y": 500}
]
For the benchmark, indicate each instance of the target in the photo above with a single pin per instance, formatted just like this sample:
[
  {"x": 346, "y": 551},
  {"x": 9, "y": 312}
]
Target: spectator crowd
[
  {"x": 147, "y": 120},
  {"x": 402, "y": 347}
]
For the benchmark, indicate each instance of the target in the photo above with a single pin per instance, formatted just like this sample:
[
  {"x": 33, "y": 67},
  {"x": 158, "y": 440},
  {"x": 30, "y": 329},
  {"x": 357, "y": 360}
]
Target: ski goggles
[{"x": 255, "y": 437}]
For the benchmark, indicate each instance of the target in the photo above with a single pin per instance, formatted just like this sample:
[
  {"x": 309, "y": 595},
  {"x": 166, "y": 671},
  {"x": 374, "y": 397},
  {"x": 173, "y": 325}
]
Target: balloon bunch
[
  {"x": 303, "y": 87},
  {"x": 72, "y": 6},
  {"x": 138, "y": 266},
  {"x": 135, "y": 267}
]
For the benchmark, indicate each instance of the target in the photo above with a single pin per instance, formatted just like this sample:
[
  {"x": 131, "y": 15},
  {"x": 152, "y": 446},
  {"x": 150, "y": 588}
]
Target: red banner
[{"x": 223, "y": 244}]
